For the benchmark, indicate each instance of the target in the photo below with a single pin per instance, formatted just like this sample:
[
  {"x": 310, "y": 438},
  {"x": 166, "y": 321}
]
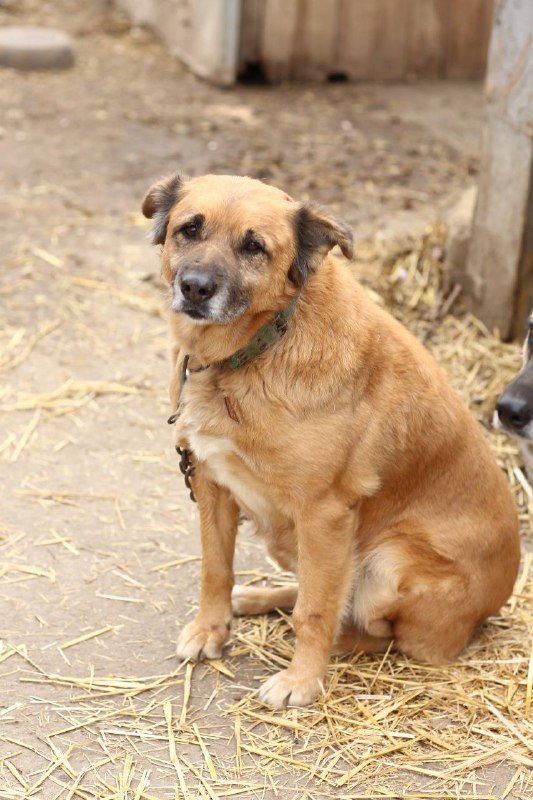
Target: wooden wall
[{"x": 365, "y": 39}]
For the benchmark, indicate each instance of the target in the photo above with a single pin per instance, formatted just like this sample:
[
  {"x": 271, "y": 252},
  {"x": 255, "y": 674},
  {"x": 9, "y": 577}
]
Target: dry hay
[{"x": 386, "y": 726}]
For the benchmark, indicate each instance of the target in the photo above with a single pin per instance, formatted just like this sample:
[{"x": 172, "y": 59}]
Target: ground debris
[
  {"x": 436, "y": 732},
  {"x": 99, "y": 555}
]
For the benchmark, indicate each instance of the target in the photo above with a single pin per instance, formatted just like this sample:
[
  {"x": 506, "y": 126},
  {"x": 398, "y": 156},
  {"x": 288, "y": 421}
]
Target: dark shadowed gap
[
  {"x": 337, "y": 77},
  {"x": 253, "y": 74}
]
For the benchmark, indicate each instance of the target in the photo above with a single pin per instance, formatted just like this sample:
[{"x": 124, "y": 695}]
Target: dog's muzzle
[
  {"x": 197, "y": 293},
  {"x": 197, "y": 288},
  {"x": 207, "y": 295}
]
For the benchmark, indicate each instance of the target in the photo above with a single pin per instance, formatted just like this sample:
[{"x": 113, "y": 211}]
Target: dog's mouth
[
  {"x": 194, "y": 313},
  {"x": 217, "y": 316}
]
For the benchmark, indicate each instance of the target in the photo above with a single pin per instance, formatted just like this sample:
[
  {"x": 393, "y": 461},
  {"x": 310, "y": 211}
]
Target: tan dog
[{"x": 340, "y": 439}]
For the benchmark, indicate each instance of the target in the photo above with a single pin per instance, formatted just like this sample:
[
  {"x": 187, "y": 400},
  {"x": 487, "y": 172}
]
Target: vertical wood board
[
  {"x": 499, "y": 272},
  {"x": 368, "y": 39}
]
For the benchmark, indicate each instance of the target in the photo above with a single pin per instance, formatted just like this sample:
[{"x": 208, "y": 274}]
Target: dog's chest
[
  {"x": 230, "y": 471},
  {"x": 209, "y": 422}
]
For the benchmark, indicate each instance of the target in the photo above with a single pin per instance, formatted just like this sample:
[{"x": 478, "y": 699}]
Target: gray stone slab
[{"x": 35, "y": 48}]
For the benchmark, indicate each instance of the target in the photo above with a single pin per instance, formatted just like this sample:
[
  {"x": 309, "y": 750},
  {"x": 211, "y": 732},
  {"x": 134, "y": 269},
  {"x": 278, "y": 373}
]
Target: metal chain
[{"x": 186, "y": 468}]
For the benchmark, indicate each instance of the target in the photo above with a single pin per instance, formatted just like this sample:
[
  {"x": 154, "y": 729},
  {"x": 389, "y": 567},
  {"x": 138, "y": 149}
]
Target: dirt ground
[{"x": 98, "y": 541}]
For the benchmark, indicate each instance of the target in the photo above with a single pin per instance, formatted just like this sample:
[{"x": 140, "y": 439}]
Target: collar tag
[
  {"x": 185, "y": 372},
  {"x": 232, "y": 414}
]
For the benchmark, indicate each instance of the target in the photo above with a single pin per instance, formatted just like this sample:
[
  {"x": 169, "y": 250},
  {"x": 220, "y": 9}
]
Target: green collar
[{"x": 265, "y": 337}]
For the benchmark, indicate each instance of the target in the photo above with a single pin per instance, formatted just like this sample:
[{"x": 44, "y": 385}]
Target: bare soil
[{"x": 96, "y": 527}]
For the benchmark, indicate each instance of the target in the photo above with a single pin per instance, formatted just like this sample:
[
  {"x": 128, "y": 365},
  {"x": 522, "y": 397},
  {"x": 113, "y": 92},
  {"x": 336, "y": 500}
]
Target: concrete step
[{"x": 29, "y": 48}]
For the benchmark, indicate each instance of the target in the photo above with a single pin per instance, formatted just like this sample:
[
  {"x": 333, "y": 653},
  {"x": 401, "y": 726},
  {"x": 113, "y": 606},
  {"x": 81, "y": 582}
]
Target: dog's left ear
[
  {"x": 158, "y": 203},
  {"x": 317, "y": 231}
]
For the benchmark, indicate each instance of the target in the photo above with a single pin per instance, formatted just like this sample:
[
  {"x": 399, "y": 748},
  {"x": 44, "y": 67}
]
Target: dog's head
[
  {"x": 514, "y": 409},
  {"x": 231, "y": 244}
]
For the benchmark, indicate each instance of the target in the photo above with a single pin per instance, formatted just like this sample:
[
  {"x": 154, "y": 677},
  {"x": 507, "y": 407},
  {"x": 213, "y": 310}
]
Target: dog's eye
[
  {"x": 252, "y": 246},
  {"x": 190, "y": 231}
]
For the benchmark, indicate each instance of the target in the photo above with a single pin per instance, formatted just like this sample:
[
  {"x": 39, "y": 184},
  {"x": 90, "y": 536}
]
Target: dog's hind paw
[
  {"x": 199, "y": 640},
  {"x": 286, "y": 688}
]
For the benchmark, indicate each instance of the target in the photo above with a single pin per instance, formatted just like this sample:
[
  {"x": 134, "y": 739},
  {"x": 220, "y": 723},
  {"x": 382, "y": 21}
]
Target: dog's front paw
[
  {"x": 202, "y": 639},
  {"x": 287, "y": 688}
]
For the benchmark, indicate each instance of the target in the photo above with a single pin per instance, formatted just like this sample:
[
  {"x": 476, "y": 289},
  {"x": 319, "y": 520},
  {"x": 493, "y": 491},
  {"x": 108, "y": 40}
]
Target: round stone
[{"x": 35, "y": 48}]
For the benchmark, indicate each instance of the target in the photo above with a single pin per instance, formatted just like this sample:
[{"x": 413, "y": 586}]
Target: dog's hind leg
[
  {"x": 427, "y": 601},
  {"x": 352, "y": 638},
  {"x": 262, "y": 599}
]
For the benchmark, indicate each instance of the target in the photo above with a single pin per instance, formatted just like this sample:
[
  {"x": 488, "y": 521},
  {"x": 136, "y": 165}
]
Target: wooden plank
[
  {"x": 279, "y": 33},
  {"x": 313, "y": 54},
  {"x": 373, "y": 37},
  {"x": 449, "y": 38},
  {"x": 251, "y": 34},
  {"x": 467, "y": 26},
  {"x": 498, "y": 273},
  {"x": 358, "y": 29},
  {"x": 424, "y": 49}
]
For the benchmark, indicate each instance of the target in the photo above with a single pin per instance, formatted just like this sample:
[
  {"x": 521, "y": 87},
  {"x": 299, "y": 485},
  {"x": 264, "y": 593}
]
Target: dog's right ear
[{"x": 158, "y": 203}]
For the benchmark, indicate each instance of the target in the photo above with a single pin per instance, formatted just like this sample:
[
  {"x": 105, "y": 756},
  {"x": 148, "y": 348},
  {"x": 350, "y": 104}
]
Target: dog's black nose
[
  {"x": 197, "y": 286},
  {"x": 514, "y": 411}
]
